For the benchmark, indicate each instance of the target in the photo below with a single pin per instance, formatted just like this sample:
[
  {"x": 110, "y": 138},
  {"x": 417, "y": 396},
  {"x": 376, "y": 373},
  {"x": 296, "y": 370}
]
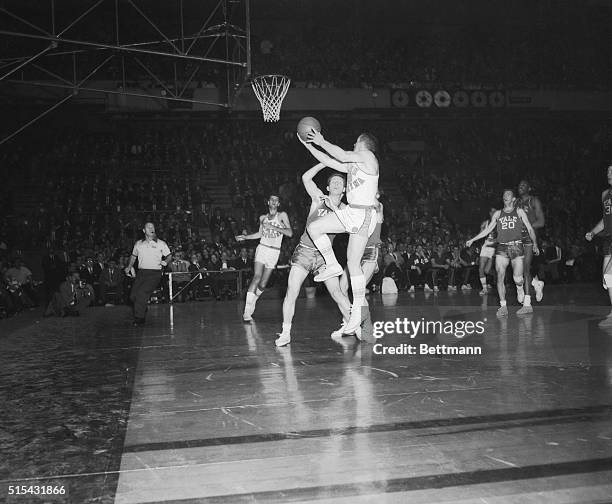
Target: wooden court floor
[{"x": 199, "y": 407}]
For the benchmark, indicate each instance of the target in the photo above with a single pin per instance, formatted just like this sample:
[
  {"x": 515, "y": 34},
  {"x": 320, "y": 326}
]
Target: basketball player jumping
[
  {"x": 358, "y": 218},
  {"x": 272, "y": 227},
  {"x": 306, "y": 258},
  {"x": 532, "y": 206},
  {"x": 605, "y": 224},
  {"x": 510, "y": 247}
]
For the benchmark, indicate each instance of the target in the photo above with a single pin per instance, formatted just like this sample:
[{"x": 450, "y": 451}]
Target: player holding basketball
[
  {"x": 486, "y": 255},
  {"x": 510, "y": 247},
  {"x": 272, "y": 227},
  {"x": 533, "y": 208},
  {"x": 605, "y": 224},
  {"x": 306, "y": 258},
  {"x": 358, "y": 218},
  {"x": 369, "y": 266}
]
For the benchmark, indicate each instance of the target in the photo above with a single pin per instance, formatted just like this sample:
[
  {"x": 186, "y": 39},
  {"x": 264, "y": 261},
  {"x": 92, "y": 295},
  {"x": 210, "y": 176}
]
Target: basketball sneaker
[
  {"x": 427, "y": 288},
  {"x": 525, "y": 309},
  {"x": 339, "y": 332},
  {"x": 538, "y": 285},
  {"x": 411, "y": 290},
  {"x": 329, "y": 272},
  {"x": 283, "y": 339},
  {"x": 502, "y": 311}
]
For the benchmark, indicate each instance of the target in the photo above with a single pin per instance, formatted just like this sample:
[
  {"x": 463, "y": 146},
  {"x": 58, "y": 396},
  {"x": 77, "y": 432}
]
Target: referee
[{"x": 152, "y": 255}]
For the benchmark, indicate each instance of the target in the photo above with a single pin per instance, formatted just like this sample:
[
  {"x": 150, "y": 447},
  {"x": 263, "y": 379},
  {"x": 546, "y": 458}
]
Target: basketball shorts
[
  {"x": 606, "y": 246},
  {"x": 510, "y": 250},
  {"x": 308, "y": 258},
  {"x": 487, "y": 250},
  {"x": 268, "y": 256},
  {"x": 357, "y": 220}
]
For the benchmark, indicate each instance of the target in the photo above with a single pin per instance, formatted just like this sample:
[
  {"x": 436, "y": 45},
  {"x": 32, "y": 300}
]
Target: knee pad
[
  {"x": 518, "y": 280},
  {"x": 607, "y": 280}
]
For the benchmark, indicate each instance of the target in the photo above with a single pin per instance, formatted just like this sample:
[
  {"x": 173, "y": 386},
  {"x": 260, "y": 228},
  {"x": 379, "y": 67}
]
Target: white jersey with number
[
  {"x": 271, "y": 237},
  {"x": 361, "y": 187}
]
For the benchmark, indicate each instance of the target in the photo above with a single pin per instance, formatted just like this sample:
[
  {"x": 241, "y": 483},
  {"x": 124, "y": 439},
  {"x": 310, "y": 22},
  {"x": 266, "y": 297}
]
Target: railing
[{"x": 192, "y": 276}]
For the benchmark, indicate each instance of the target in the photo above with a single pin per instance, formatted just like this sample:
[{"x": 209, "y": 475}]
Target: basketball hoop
[{"x": 270, "y": 91}]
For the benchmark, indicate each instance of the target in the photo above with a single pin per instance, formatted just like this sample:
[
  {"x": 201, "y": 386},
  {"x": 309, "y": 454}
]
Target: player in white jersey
[
  {"x": 272, "y": 227},
  {"x": 358, "y": 218},
  {"x": 487, "y": 251}
]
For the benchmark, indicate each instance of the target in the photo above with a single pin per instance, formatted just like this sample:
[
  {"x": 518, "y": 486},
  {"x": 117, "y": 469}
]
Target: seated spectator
[
  {"x": 179, "y": 281},
  {"x": 422, "y": 262},
  {"x": 392, "y": 264},
  {"x": 73, "y": 297},
  {"x": 111, "y": 284},
  {"x": 20, "y": 277},
  {"x": 469, "y": 263},
  {"x": 551, "y": 260},
  {"x": 90, "y": 274},
  {"x": 440, "y": 264},
  {"x": 455, "y": 268}
]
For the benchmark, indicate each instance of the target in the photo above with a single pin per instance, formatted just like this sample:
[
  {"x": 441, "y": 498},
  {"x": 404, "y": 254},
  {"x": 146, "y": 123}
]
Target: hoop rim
[{"x": 263, "y": 76}]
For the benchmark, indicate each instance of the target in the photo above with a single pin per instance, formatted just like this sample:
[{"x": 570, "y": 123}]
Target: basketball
[{"x": 306, "y": 124}]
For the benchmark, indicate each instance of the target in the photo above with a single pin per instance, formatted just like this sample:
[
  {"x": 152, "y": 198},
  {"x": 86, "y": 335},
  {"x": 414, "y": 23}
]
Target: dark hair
[{"x": 370, "y": 141}]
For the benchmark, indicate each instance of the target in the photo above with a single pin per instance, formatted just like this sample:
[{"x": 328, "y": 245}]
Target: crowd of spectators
[
  {"x": 93, "y": 193},
  {"x": 538, "y": 47}
]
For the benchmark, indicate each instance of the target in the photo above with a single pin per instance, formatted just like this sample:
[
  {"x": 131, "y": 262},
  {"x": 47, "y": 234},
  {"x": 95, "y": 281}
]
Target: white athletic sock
[
  {"x": 251, "y": 298},
  {"x": 323, "y": 243},
  {"x": 483, "y": 281},
  {"x": 286, "y": 329},
  {"x": 358, "y": 285},
  {"x": 502, "y": 302},
  {"x": 527, "y": 301},
  {"x": 258, "y": 292}
]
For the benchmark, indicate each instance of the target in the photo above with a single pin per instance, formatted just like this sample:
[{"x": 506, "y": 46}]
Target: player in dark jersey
[
  {"x": 508, "y": 221},
  {"x": 532, "y": 206},
  {"x": 306, "y": 258},
  {"x": 605, "y": 225},
  {"x": 369, "y": 265}
]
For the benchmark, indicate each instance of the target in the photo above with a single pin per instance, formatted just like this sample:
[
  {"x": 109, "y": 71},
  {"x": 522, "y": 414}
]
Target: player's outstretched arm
[
  {"x": 324, "y": 158},
  {"x": 252, "y": 236},
  {"x": 307, "y": 179},
  {"x": 486, "y": 230},
  {"x": 339, "y": 153}
]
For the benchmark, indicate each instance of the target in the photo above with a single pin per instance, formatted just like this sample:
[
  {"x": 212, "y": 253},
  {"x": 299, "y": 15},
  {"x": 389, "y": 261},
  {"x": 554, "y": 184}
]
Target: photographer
[{"x": 73, "y": 297}]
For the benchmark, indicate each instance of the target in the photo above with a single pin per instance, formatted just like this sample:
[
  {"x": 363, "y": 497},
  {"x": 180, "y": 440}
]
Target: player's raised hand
[
  {"x": 588, "y": 236},
  {"x": 314, "y": 137},
  {"x": 239, "y": 238},
  {"x": 304, "y": 142}
]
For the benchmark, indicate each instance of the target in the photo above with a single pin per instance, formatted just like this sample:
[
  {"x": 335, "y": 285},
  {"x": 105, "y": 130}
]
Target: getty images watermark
[{"x": 413, "y": 328}]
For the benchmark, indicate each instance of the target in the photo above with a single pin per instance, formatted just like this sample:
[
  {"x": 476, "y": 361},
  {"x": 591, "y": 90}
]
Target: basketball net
[{"x": 270, "y": 91}]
